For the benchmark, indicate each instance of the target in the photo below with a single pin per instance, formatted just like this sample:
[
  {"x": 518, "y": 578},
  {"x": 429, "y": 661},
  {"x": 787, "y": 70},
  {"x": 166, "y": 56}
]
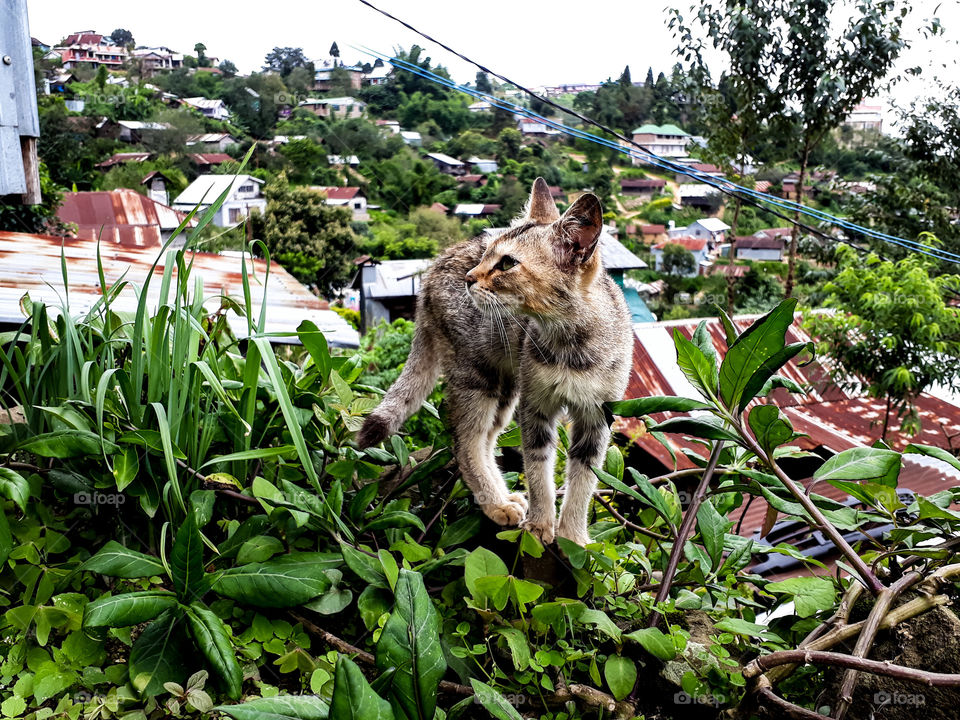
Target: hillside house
[
  {"x": 483, "y": 165},
  {"x": 206, "y": 162},
  {"x": 388, "y": 289},
  {"x": 481, "y": 106},
  {"x": 378, "y": 74},
  {"x": 339, "y": 107},
  {"x": 130, "y": 131},
  {"x": 652, "y": 234},
  {"x": 752, "y": 247},
  {"x": 865, "y": 117},
  {"x": 122, "y": 217},
  {"x": 157, "y": 59},
  {"x": 696, "y": 245},
  {"x": 699, "y": 196},
  {"x": 324, "y": 75},
  {"x": 476, "y": 210},
  {"x": 664, "y": 140},
  {"x": 446, "y": 164},
  {"x": 215, "y": 109},
  {"x": 211, "y": 142},
  {"x": 703, "y": 169},
  {"x": 411, "y": 138},
  {"x": 90, "y": 49},
  {"x": 156, "y": 184},
  {"x": 471, "y": 180},
  {"x": 642, "y": 188},
  {"x": 342, "y": 161},
  {"x": 244, "y": 193},
  {"x": 351, "y": 198},
  {"x": 711, "y": 229},
  {"x": 123, "y": 159},
  {"x": 530, "y": 127}
]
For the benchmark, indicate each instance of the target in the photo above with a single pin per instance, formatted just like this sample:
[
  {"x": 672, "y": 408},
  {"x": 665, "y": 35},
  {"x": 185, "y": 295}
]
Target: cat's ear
[
  {"x": 578, "y": 231},
  {"x": 541, "y": 208}
]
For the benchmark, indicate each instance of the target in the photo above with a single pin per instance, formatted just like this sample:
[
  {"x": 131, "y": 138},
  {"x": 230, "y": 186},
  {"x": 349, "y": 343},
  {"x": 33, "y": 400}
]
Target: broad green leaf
[
  {"x": 770, "y": 426},
  {"x": 872, "y": 494},
  {"x": 333, "y": 600},
  {"x": 115, "y": 560},
  {"x": 700, "y": 370},
  {"x": 493, "y": 702},
  {"x": 707, "y": 427},
  {"x": 758, "y": 381},
  {"x": 373, "y": 603},
  {"x": 213, "y": 639},
  {"x": 126, "y": 465},
  {"x": 744, "y": 627},
  {"x": 127, "y": 608},
  {"x": 613, "y": 462},
  {"x": 353, "y": 698},
  {"x": 285, "y": 451},
  {"x": 712, "y": 526},
  {"x": 655, "y": 642},
  {"x": 729, "y": 330},
  {"x": 862, "y": 463},
  {"x": 279, "y": 707},
  {"x": 460, "y": 531},
  {"x": 366, "y": 567},
  {"x": 394, "y": 519},
  {"x": 934, "y": 452},
  {"x": 316, "y": 344},
  {"x": 186, "y": 561},
  {"x": 389, "y": 564},
  {"x": 259, "y": 549},
  {"x": 519, "y": 648},
  {"x": 620, "y": 674},
  {"x": 481, "y": 563},
  {"x": 810, "y": 594},
  {"x": 600, "y": 620},
  {"x": 161, "y": 654},
  {"x": 649, "y": 405},
  {"x": 66, "y": 444},
  {"x": 14, "y": 487},
  {"x": 410, "y": 642},
  {"x": 284, "y": 581},
  {"x": 931, "y": 510},
  {"x": 760, "y": 342}
]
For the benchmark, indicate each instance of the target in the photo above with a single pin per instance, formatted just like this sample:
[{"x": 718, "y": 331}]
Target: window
[
  {"x": 246, "y": 188},
  {"x": 235, "y": 215},
  {"x": 357, "y": 205}
]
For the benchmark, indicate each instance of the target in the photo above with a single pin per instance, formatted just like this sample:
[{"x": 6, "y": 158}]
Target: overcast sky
[{"x": 534, "y": 42}]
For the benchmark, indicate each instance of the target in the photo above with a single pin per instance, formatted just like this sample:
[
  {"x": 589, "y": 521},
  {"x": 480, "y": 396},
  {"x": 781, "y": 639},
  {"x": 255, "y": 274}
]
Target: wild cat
[{"x": 528, "y": 316}]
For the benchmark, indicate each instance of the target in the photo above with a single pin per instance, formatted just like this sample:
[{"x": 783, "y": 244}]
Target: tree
[
  {"x": 201, "y": 50},
  {"x": 677, "y": 260},
  {"x": 818, "y": 70},
  {"x": 283, "y": 60},
  {"x": 228, "y": 69},
  {"x": 483, "y": 83},
  {"x": 894, "y": 333},
  {"x": 335, "y": 52},
  {"x": 310, "y": 239},
  {"x": 122, "y": 37}
]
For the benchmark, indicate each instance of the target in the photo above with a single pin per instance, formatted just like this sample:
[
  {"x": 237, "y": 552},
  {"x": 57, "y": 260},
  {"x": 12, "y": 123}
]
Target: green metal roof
[{"x": 659, "y": 130}]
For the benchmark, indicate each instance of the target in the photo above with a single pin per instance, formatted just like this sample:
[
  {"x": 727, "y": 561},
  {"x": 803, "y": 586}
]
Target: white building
[
  {"x": 484, "y": 165},
  {"x": 212, "y": 142},
  {"x": 865, "y": 117},
  {"x": 341, "y": 107},
  {"x": 713, "y": 230},
  {"x": 351, "y": 198},
  {"x": 664, "y": 140},
  {"x": 213, "y": 109},
  {"x": 696, "y": 246},
  {"x": 411, "y": 138},
  {"x": 244, "y": 194}
]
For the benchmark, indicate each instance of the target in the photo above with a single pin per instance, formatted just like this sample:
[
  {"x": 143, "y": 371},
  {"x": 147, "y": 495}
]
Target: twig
[
  {"x": 626, "y": 523},
  {"x": 869, "y": 633},
  {"x": 24, "y": 466},
  {"x": 876, "y": 667},
  {"x": 365, "y": 657},
  {"x": 686, "y": 527},
  {"x": 788, "y": 709}
]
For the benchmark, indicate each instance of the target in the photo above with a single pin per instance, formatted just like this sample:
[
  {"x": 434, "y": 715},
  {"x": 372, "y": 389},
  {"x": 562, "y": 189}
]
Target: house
[
  {"x": 529, "y": 126},
  {"x": 215, "y": 109},
  {"x": 481, "y": 106},
  {"x": 642, "y": 188},
  {"x": 347, "y": 197},
  {"x": 483, "y": 165},
  {"x": 130, "y": 131},
  {"x": 31, "y": 264},
  {"x": 471, "y": 180},
  {"x": 392, "y": 125},
  {"x": 557, "y": 193},
  {"x": 156, "y": 184},
  {"x": 411, "y": 138},
  {"x": 325, "y": 73},
  {"x": 341, "y": 161},
  {"x": 206, "y": 162},
  {"x": 19, "y": 120},
  {"x": 664, "y": 140},
  {"x": 388, "y": 289},
  {"x": 697, "y": 247},
  {"x": 378, "y": 74},
  {"x": 243, "y": 195},
  {"x": 702, "y": 169},
  {"x": 338, "y": 107},
  {"x": 865, "y": 118},
  {"x": 712, "y": 229},
  {"x": 699, "y": 196},
  {"x": 751, "y": 247},
  {"x": 157, "y": 59},
  {"x": 476, "y": 210},
  {"x": 90, "y": 49},
  {"x": 447, "y": 164},
  {"x": 212, "y": 142},
  {"x": 123, "y": 158},
  {"x": 122, "y": 217}
]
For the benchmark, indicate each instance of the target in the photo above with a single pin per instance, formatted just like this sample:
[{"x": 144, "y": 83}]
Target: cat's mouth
[{"x": 487, "y": 301}]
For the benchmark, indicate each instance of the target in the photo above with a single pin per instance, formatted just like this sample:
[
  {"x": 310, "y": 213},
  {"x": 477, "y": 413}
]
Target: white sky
[{"x": 533, "y": 41}]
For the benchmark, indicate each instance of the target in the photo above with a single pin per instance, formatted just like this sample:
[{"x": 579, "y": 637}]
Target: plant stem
[
  {"x": 686, "y": 528},
  {"x": 626, "y": 523},
  {"x": 876, "y": 667}
]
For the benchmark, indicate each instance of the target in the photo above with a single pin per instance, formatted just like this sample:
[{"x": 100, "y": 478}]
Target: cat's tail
[{"x": 406, "y": 394}]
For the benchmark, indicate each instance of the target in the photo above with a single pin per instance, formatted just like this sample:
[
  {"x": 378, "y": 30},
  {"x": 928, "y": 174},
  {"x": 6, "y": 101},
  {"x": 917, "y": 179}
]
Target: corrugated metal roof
[
  {"x": 124, "y": 217},
  {"x": 118, "y": 158},
  {"x": 615, "y": 255},
  {"x": 834, "y": 419},
  {"x": 31, "y": 264},
  {"x": 337, "y": 193},
  {"x": 207, "y": 188},
  {"x": 692, "y": 244},
  {"x": 397, "y": 278}
]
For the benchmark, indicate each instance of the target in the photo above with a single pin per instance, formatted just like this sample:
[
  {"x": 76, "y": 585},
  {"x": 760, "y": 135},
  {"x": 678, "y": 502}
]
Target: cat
[{"x": 527, "y": 317}]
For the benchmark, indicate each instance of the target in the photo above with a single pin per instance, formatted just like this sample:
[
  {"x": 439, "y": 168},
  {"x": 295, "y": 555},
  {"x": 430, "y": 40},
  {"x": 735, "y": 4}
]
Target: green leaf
[
  {"x": 730, "y": 331},
  {"x": 620, "y": 674},
  {"x": 353, "y": 698},
  {"x": 934, "y": 452},
  {"x": 410, "y": 642},
  {"x": 126, "y": 465},
  {"x": 708, "y": 427},
  {"x": 768, "y": 368},
  {"x": 872, "y": 494},
  {"x": 600, "y": 620},
  {"x": 160, "y": 655},
  {"x": 213, "y": 639},
  {"x": 862, "y": 463},
  {"x": 460, "y": 530},
  {"x": 519, "y": 648},
  {"x": 655, "y": 642},
  {"x": 700, "y": 370},
  {"x": 810, "y": 594},
  {"x": 316, "y": 344},
  {"x": 770, "y": 426},
  {"x": 493, "y": 702},
  {"x": 115, "y": 560},
  {"x": 186, "y": 561},
  {"x": 285, "y": 451},
  {"x": 284, "y": 581},
  {"x": 127, "y": 608},
  {"x": 481, "y": 563},
  {"x": 259, "y": 549},
  {"x": 66, "y": 444},
  {"x": 367, "y": 568},
  {"x": 14, "y": 487},
  {"x": 649, "y": 405},
  {"x": 712, "y": 526},
  {"x": 760, "y": 342},
  {"x": 280, "y": 707},
  {"x": 744, "y": 627}
]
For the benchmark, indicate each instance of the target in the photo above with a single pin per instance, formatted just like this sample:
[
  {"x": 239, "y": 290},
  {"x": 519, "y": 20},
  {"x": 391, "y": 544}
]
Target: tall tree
[
  {"x": 483, "y": 82},
  {"x": 335, "y": 52},
  {"x": 201, "y": 50},
  {"x": 122, "y": 37},
  {"x": 228, "y": 69},
  {"x": 818, "y": 66},
  {"x": 282, "y": 60}
]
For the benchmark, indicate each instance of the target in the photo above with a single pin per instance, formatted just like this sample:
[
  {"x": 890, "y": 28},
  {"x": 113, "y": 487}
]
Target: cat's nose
[{"x": 470, "y": 278}]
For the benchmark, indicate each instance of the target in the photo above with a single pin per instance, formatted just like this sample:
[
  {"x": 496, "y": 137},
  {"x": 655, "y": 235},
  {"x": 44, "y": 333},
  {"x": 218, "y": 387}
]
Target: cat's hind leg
[{"x": 473, "y": 404}]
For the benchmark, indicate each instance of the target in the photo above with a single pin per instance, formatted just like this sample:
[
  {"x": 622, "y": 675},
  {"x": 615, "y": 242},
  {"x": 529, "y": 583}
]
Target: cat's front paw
[
  {"x": 543, "y": 530},
  {"x": 510, "y": 512}
]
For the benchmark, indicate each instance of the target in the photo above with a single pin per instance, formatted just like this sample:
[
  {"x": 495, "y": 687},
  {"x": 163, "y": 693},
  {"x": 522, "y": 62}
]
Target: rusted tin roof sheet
[
  {"x": 122, "y": 217},
  {"x": 30, "y": 264}
]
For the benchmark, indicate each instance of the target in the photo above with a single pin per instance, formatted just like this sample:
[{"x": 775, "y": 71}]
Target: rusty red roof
[
  {"x": 210, "y": 158},
  {"x": 642, "y": 183},
  {"x": 690, "y": 243},
  {"x": 338, "y": 193},
  {"x": 119, "y": 158},
  {"x": 123, "y": 216},
  {"x": 653, "y": 229}
]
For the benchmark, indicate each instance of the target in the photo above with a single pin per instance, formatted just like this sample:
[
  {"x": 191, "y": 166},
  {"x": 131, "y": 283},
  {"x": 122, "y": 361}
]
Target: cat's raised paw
[
  {"x": 543, "y": 531},
  {"x": 520, "y": 499},
  {"x": 509, "y": 513}
]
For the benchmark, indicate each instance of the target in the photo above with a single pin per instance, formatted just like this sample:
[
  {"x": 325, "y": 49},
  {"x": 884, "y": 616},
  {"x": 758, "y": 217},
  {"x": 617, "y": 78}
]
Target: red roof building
[
  {"x": 692, "y": 244},
  {"x": 123, "y": 217},
  {"x": 208, "y": 160},
  {"x": 121, "y": 158}
]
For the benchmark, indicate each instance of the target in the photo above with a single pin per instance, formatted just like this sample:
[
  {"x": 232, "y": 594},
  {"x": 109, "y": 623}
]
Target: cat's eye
[{"x": 506, "y": 263}]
